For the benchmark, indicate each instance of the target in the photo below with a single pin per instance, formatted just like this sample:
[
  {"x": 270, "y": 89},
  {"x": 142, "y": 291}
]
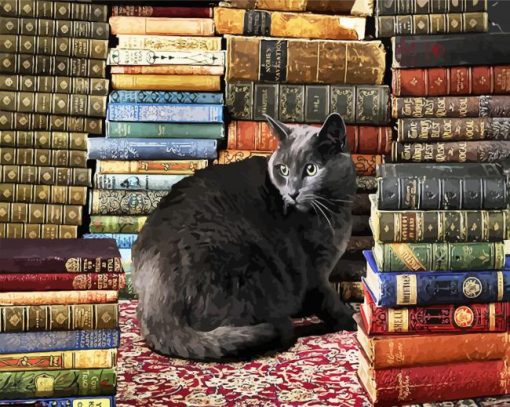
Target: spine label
[
  {"x": 257, "y": 22},
  {"x": 273, "y": 60}
]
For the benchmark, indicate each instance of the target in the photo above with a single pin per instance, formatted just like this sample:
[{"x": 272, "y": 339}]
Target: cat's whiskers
[{"x": 315, "y": 204}]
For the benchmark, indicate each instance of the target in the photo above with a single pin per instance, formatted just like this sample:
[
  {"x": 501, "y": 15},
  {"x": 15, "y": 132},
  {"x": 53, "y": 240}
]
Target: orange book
[
  {"x": 180, "y": 167},
  {"x": 169, "y": 70},
  {"x": 166, "y": 82},
  {"x": 161, "y": 26},
  {"x": 58, "y": 297}
]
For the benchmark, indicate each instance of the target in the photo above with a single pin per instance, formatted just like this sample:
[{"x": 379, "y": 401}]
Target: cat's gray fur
[{"x": 229, "y": 256}]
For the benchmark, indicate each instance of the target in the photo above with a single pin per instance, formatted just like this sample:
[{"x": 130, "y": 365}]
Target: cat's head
[{"x": 312, "y": 166}]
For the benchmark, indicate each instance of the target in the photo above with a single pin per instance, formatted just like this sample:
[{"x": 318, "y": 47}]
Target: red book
[
  {"x": 62, "y": 282},
  {"x": 149, "y": 11},
  {"x": 455, "y": 81}
]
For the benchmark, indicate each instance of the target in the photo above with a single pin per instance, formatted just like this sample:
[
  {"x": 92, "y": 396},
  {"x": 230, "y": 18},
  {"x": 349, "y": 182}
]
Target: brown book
[
  {"x": 359, "y": 243},
  {"x": 28, "y": 174},
  {"x": 43, "y": 157},
  {"x": 58, "y": 297},
  {"x": 390, "y": 7},
  {"x": 452, "y": 152},
  {"x": 283, "y": 24},
  {"x": 37, "y": 231},
  {"x": 350, "y": 291},
  {"x": 54, "y": 194},
  {"x": 161, "y": 26},
  {"x": 169, "y": 70},
  {"x": 54, "y": 214},
  {"x": 305, "y": 61},
  {"x": 62, "y": 10},
  {"x": 49, "y": 122},
  {"x": 207, "y": 83},
  {"x": 54, "y": 140}
]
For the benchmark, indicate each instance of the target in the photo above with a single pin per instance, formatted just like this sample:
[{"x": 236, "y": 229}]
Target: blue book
[
  {"x": 93, "y": 401},
  {"x": 123, "y": 240},
  {"x": 435, "y": 287},
  {"x": 127, "y": 263},
  {"x": 100, "y": 148},
  {"x": 26, "y": 342},
  {"x": 153, "y": 112},
  {"x": 155, "y": 96},
  {"x": 137, "y": 182}
]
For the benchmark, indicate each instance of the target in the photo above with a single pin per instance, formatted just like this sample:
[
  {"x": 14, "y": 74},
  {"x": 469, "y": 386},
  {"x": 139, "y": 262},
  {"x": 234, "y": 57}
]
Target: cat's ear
[
  {"x": 280, "y": 130},
  {"x": 332, "y": 135}
]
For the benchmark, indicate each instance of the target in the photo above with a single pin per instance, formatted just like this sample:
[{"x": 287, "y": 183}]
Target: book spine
[
  {"x": 304, "y": 61},
  {"x": 152, "y": 149},
  {"x": 54, "y": 84},
  {"x": 169, "y": 70},
  {"x": 439, "y": 256},
  {"x": 58, "y": 297},
  {"x": 19, "y": 212},
  {"x": 123, "y": 202},
  {"x": 358, "y": 243},
  {"x": 38, "y": 156},
  {"x": 101, "y": 401},
  {"x": 366, "y": 164},
  {"x": 350, "y": 291},
  {"x": 143, "y": 57},
  {"x": 154, "y": 112},
  {"x": 454, "y": 151},
  {"x": 43, "y": 139},
  {"x": 150, "y": 11},
  {"x": 308, "y": 103},
  {"x": 28, "y": 174},
  {"x": 43, "y": 194},
  {"x": 37, "y": 231},
  {"x": 332, "y": 7},
  {"x": 361, "y": 204},
  {"x": 61, "y": 281},
  {"x": 440, "y": 226},
  {"x": 421, "y": 24},
  {"x": 169, "y": 43},
  {"x": 389, "y": 7},
  {"x": 123, "y": 240},
  {"x": 161, "y": 26},
  {"x": 458, "y": 80},
  {"x": 59, "y": 360},
  {"x": 116, "y": 224},
  {"x": 174, "y": 167},
  {"x": 135, "y": 182},
  {"x": 45, "y": 122},
  {"x": 199, "y": 83},
  {"x": 56, "y": 11},
  {"x": 164, "y": 130},
  {"x": 366, "y": 183},
  {"x": 126, "y": 96}
]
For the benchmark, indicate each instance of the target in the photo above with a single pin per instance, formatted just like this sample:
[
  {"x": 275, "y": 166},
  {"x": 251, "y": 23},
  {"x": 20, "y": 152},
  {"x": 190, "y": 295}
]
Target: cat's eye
[
  {"x": 311, "y": 170},
  {"x": 284, "y": 170}
]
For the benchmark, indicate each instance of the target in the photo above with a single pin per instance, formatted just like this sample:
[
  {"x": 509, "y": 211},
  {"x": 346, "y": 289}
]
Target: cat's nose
[{"x": 294, "y": 195}]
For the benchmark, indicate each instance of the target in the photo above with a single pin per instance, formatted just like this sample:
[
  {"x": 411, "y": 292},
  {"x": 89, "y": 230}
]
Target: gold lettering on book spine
[
  {"x": 398, "y": 320},
  {"x": 404, "y": 253},
  {"x": 501, "y": 285},
  {"x": 406, "y": 289},
  {"x": 492, "y": 316}
]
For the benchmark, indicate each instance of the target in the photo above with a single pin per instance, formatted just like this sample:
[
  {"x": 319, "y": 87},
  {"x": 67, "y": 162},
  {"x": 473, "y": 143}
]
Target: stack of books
[
  {"x": 165, "y": 114},
  {"x": 59, "y": 316},
  {"x": 52, "y": 95},
  {"x": 298, "y": 62}
]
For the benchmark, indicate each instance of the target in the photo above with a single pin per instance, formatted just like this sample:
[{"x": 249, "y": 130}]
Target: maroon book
[
  {"x": 150, "y": 11},
  {"x": 62, "y": 282},
  {"x": 59, "y": 256}
]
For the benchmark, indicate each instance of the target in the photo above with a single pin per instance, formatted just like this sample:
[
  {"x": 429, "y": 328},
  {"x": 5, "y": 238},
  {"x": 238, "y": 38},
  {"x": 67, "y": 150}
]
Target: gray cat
[{"x": 232, "y": 253}]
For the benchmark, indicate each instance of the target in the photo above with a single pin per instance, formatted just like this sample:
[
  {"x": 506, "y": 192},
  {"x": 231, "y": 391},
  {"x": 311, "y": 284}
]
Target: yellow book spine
[
  {"x": 166, "y": 82},
  {"x": 179, "y": 167}
]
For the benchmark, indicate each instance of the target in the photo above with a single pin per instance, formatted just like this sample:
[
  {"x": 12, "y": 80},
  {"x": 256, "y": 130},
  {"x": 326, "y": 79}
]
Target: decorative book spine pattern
[
  {"x": 151, "y": 182},
  {"x": 40, "y": 157},
  {"x": 45, "y": 122},
  {"x": 55, "y": 11},
  {"x": 126, "y": 96},
  {"x": 389, "y": 7},
  {"x": 150, "y": 11},
  {"x": 207, "y": 83},
  {"x": 164, "y": 130},
  {"x": 176, "y": 167},
  {"x": 169, "y": 70},
  {"x": 37, "y": 231},
  {"x": 116, "y": 224},
  {"x": 27, "y": 174},
  {"x": 153, "y": 112},
  {"x": 366, "y": 183},
  {"x": 43, "y": 194},
  {"x": 104, "y": 401},
  {"x": 161, "y": 26},
  {"x": 127, "y": 57},
  {"x": 124, "y": 202},
  {"x": 169, "y": 43},
  {"x": 54, "y": 84},
  {"x": 123, "y": 240},
  {"x": 43, "y": 139},
  {"x": 58, "y": 297},
  {"x": 40, "y": 213},
  {"x": 62, "y": 281}
]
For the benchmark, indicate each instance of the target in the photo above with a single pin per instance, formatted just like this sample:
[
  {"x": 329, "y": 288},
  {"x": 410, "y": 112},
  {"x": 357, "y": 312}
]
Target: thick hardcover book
[
  {"x": 62, "y": 10},
  {"x": 164, "y": 130},
  {"x": 61, "y": 281},
  {"x": 162, "y": 11},
  {"x": 174, "y": 167},
  {"x": 282, "y": 24},
  {"x": 40, "y": 157},
  {"x": 308, "y": 103},
  {"x": 366, "y": 183},
  {"x": 161, "y": 26},
  {"x": 433, "y": 319},
  {"x": 418, "y": 24},
  {"x": 54, "y": 194},
  {"x": 28, "y": 174},
  {"x": 59, "y": 256},
  {"x": 47, "y": 122},
  {"x": 431, "y": 288},
  {"x": 430, "y": 51},
  {"x": 305, "y": 61},
  {"x": 20, "y": 212},
  {"x": 456, "y": 129},
  {"x": 155, "y": 112},
  {"x": 136, "y": 182},
  {"x": 116, "y": 224},
  {"x": 142, "y": 57},
  {"x": 54, "y": 140},
  {"x": 151, "y": 149},
  {"x": 37, "y": 231},
  {"x": 422, "y": 257},
  {"x": 198, "y": 83},
  {"x": 123, "y": 240},
  {"x": 55, "y": 84},
  {"x": 442, "y": 186},
  {"x": 142, "y": 96},
  {"x": 59, "y": 360},
  {"x": 169, "y": 70},
  {"x": 456, "y": 80},
  {"x": 58, "y": 297},
  {"x": 169, "y": 43},
  {"x": 101, "y": 401},
  {"x": 123, "y": 202},
  {"x": 389, "y": 7}
]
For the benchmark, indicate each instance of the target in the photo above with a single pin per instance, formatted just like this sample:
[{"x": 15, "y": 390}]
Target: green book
[
  {"x": 164, "y": 130},
  {"x": 116, "y": 224}
]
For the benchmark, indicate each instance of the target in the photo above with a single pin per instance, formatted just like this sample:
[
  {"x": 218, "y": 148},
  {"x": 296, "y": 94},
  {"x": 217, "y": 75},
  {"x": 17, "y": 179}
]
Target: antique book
[
  {"x": 431, "y": 287},
  {"x": 149, "y": 96},
  {"x": 150, "y": 149},
  {"x": 28, "y": 174},
  {"x": 123, "y": 240},
  {"x": 283, "y": 24},
  {"x": 350, "y": 291},
  {"x": 304, "y": 61},
  {"x": 100, "y": 401},
  {"x": 116, "y": 224},
  {"x": 389, "y": 7},
  {"x": 62, "y": 10},
  {"x": 54, "y": 140},
  {"x": 168, "y": 70},
  {"x": 54, "y": 256},
  {"x": 433, "y": 319},
  {"x": 452, "y": 151},
  {"x": 47, "y": 122},
  {"x": 168, "y": 42},
  {"x": 366, "y": 183},
  {"x": 175, "y": 167},
  {"x": 140, "y": 57},
  {"x": 54, "y": 194},
  {"x": 124, "y": 202},
  {"x": 421, "y": 257},
  {"x": 58, "y": 297},
  {"x": 58, "y": 318},
  {"x": 37, "y": 231},
  {"x": 198, "y": 83},
  {"x": 308, "y": 103},
  {"x": 252, "y": 135},
  {"x": 152, "y": 182},
  {"x": 359, "y": 243},
  {"x": 162, "y": 11},
  {"x": 456, "y": 129},
  {"x": 61, "y": 281},
  {"x": 155, "y": 112},
  {"x": 455, "y": 80},
  {"x": 40, "y": 156},
  {"x": 164, "y": 130},
  {"x": 19, "y": 212},
  {"x": 442, "y": 186},
  {"x": 419, "y": 24},
  {"x": 161, "y": 26},
  {"x": 425, "y": 51},
  {"x": 29, "y": 342},
  {"x": 55, "y": 84}
]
